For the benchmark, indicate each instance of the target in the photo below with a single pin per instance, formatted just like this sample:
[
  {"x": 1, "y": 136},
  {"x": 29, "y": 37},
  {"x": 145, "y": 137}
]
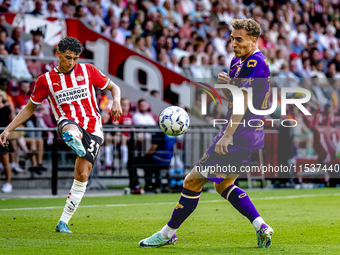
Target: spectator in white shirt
[
  {"x": 301, "y": 32},
  {"x": 94, "y": 19},
  {"x": 219, "y": 42},
  {"x": 124, "y": 25},
  {"x": 176, "y": 13},
  {"x": 119, "y": 36},
  {"x": 142, "y": 117},
  {"x": 173, "y": 64},
  {"x": 305, "y": 72},
  {"x": 117, "y": 6},
  {"x": 50, "y": 10},
  {"x": 330, "y": 38},
  {"x": 35, "y": 43},
  {"x": 187, "y": 6},
  {"x": 16, "y": 64}
]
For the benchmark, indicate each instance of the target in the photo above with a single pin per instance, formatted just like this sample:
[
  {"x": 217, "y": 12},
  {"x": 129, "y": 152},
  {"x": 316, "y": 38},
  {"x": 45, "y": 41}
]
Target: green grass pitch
[{"x": 304, "y": 222}]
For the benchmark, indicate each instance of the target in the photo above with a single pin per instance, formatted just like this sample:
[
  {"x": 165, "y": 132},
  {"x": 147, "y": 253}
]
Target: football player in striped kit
[{"x": 69, "y": 88}]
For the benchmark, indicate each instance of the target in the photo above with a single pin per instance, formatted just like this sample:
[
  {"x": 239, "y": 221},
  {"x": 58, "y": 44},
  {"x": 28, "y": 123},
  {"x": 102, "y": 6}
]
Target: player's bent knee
[
  {"x": 72, "y": 127},
  {"x": 192, "y": 184},
  {"x": 82, "y": 177},
  {"x": 220, "y": 187}
]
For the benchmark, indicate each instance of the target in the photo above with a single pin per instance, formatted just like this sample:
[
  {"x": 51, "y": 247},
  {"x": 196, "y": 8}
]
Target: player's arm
[
  {"x": 222, "y": 144},
  {"x": 22, "y": 116},
  {"x": 116, "y": 109},
  {"x": 223, "y": 78}
]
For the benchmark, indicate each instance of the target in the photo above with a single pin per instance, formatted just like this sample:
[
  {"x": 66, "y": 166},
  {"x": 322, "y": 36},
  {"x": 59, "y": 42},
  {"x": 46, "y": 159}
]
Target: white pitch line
[{"x": 170, "y": 203}]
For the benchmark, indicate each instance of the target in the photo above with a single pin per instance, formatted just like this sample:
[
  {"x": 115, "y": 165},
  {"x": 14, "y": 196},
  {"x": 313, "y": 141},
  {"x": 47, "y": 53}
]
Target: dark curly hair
[{"x": 71, "y": 44}]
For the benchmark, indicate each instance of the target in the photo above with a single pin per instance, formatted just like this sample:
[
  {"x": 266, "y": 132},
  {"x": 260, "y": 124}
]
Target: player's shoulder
[
  {"x": 89, "y": 66},
  {"x": 257, "y": 60},
  {"x": 41, "y": 80}
]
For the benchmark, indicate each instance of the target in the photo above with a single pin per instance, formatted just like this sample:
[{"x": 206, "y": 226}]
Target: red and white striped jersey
[{"x": 72, "y": 95}]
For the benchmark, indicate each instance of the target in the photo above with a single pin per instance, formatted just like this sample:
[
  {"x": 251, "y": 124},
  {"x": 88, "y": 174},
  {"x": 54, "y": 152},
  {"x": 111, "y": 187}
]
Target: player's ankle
[
  {"x": 257, "y": 223},
  {"x": 167, "y": 232}
]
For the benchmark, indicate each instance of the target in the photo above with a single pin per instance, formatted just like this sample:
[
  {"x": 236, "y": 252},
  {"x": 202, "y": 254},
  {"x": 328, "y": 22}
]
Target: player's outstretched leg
[
  {"x": 73, "y": 141},
  {"x": 186, "y": 205},
  {"x": 240, "y": 200},
  {"x": 73, "y": 199},
  {"x": 81, "y": 173}
]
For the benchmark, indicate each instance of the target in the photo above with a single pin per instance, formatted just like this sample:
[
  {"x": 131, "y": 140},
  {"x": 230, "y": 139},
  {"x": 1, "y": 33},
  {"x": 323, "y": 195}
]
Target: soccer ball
[{"x": 174, "y": 121}]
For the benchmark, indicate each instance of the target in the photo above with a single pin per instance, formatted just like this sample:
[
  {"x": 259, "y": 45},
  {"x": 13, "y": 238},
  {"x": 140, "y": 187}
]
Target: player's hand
[
  {"x": 223, "y": 78},
  {"x": 3, "y": 138},
  {"x": 221, "y": 147},
  {"x": 116, "y": 110}
]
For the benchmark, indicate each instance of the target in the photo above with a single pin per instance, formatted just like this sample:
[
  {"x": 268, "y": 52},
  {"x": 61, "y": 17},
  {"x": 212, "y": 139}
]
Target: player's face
[
  {"x": 67, "y": 60},
  {"x": 243, "y": 44}
]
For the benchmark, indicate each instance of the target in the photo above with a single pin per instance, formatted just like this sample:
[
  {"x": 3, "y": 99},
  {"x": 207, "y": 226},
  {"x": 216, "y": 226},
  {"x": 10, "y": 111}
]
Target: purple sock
[
  {"x": 186, "y": 205},
  {"x": 240, "y": 200}
]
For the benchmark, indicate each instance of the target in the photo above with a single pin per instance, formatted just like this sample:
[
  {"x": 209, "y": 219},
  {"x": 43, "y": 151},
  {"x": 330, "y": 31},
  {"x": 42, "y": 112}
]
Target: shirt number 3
[{"x": 93, "y": 144}]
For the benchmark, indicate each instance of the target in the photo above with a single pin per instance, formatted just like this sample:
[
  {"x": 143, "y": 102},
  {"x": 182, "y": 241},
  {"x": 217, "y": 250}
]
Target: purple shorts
[{"x": 217, "y": 167}]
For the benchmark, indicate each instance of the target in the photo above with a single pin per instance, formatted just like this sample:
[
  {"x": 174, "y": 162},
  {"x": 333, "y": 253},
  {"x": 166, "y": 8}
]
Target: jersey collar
[
  {"x": 67, "y": 73},
  {"x": 257, "y": 50}
]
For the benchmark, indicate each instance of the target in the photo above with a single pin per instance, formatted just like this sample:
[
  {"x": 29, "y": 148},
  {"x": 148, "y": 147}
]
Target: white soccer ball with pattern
[{"x": 174, "y": 121}]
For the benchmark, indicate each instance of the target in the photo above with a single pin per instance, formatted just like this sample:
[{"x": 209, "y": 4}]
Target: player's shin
[
  {"x": 186, "y": 205},
  {"x": 240, "y": 200},
  {"x": 73, "y": 199}
]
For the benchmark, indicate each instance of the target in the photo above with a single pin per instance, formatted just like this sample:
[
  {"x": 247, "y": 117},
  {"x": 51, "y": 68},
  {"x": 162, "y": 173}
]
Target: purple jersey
[{"x": 253, "y": 72}]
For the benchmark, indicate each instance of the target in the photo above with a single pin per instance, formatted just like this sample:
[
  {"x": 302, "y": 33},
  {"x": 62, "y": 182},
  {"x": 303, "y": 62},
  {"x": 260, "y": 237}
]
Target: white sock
[
  {"x": 167, "y": 232},
  {"x": 108, "y": 151},
  {"x": 257, "y": 223},
  {"x": 74, "y": 197},
  {"x": 125, "y": 153}
]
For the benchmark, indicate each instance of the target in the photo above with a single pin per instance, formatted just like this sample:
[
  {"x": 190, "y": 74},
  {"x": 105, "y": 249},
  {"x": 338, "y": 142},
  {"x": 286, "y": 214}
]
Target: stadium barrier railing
[
  {"x": 193, "y": 144},
  {"x": 191, "y": 147}
]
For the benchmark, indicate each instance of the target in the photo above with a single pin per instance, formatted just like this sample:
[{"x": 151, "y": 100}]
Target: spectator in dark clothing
[
  {"x": 6, "y": 117},
  {"x": 38, "y": 8},
  {"x": 158, "y": 157},
  {"x": 16, "y": 38},
  {"x": 2, "y": 24},
  {"x": 5, "y": 5}
]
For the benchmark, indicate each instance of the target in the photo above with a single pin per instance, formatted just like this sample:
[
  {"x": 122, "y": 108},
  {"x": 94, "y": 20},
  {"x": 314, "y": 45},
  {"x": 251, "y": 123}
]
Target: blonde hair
[{"x": 251, "y": 26}]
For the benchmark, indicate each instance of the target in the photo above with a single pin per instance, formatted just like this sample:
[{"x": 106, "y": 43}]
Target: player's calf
[
  {"x": 73, "y": 200},
  {"x": 241, "y": 202}
]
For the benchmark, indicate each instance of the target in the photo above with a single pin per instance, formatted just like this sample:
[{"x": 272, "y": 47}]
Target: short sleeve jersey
[
  {"x": 253, "y": 72},
  {"x": 72, "y": 96}
]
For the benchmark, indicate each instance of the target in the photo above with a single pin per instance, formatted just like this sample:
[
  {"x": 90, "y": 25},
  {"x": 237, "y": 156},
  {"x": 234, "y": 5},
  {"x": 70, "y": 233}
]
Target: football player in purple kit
[{"x": 233, "y": 145}]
